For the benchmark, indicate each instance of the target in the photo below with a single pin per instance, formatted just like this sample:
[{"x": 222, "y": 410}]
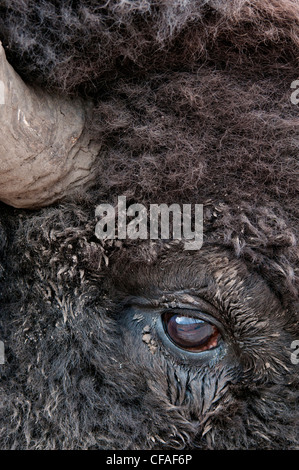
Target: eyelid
[
  {"x": 197, "y": 305},
  {"x": 177, "y": 300}
]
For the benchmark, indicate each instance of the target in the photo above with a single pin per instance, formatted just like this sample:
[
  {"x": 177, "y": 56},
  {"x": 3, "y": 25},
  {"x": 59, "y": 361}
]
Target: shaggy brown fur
[{"x": 192, "y": 105}]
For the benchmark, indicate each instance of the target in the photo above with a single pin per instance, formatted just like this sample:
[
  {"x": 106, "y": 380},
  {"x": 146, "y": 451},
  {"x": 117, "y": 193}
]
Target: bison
[{"x": 142, "y": 344}]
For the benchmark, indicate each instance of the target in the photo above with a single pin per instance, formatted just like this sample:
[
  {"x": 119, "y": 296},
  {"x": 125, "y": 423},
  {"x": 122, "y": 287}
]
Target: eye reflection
[{"x": 189, "y": 333}]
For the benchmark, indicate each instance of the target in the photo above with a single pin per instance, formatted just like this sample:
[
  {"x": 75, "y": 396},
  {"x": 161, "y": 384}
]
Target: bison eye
[{"x": 189, "y": 333}]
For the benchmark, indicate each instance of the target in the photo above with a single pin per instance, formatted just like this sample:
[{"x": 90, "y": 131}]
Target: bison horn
[{"x": 45, "y": 151}]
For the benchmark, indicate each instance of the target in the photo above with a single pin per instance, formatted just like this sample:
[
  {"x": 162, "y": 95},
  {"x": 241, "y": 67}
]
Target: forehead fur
[{"x": 192, "y": 104}]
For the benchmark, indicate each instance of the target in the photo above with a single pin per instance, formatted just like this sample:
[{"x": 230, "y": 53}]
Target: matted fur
[{"x": 192, "y": 105}]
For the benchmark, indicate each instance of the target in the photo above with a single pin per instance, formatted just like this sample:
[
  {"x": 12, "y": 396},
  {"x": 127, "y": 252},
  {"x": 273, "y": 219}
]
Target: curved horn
[{"x": 45, "y": 151}]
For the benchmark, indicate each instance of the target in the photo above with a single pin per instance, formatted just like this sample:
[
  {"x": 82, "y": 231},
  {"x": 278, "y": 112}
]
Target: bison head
[{"x": 140, "y": 343}]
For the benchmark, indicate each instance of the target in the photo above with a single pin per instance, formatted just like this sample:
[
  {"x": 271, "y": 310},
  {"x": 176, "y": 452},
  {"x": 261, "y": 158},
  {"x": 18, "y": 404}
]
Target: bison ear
[{"x": 45, "y": 150}]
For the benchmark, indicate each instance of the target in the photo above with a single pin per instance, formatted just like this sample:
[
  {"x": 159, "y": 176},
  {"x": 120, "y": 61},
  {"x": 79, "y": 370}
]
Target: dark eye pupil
[{"x": 191, "y": 334}]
